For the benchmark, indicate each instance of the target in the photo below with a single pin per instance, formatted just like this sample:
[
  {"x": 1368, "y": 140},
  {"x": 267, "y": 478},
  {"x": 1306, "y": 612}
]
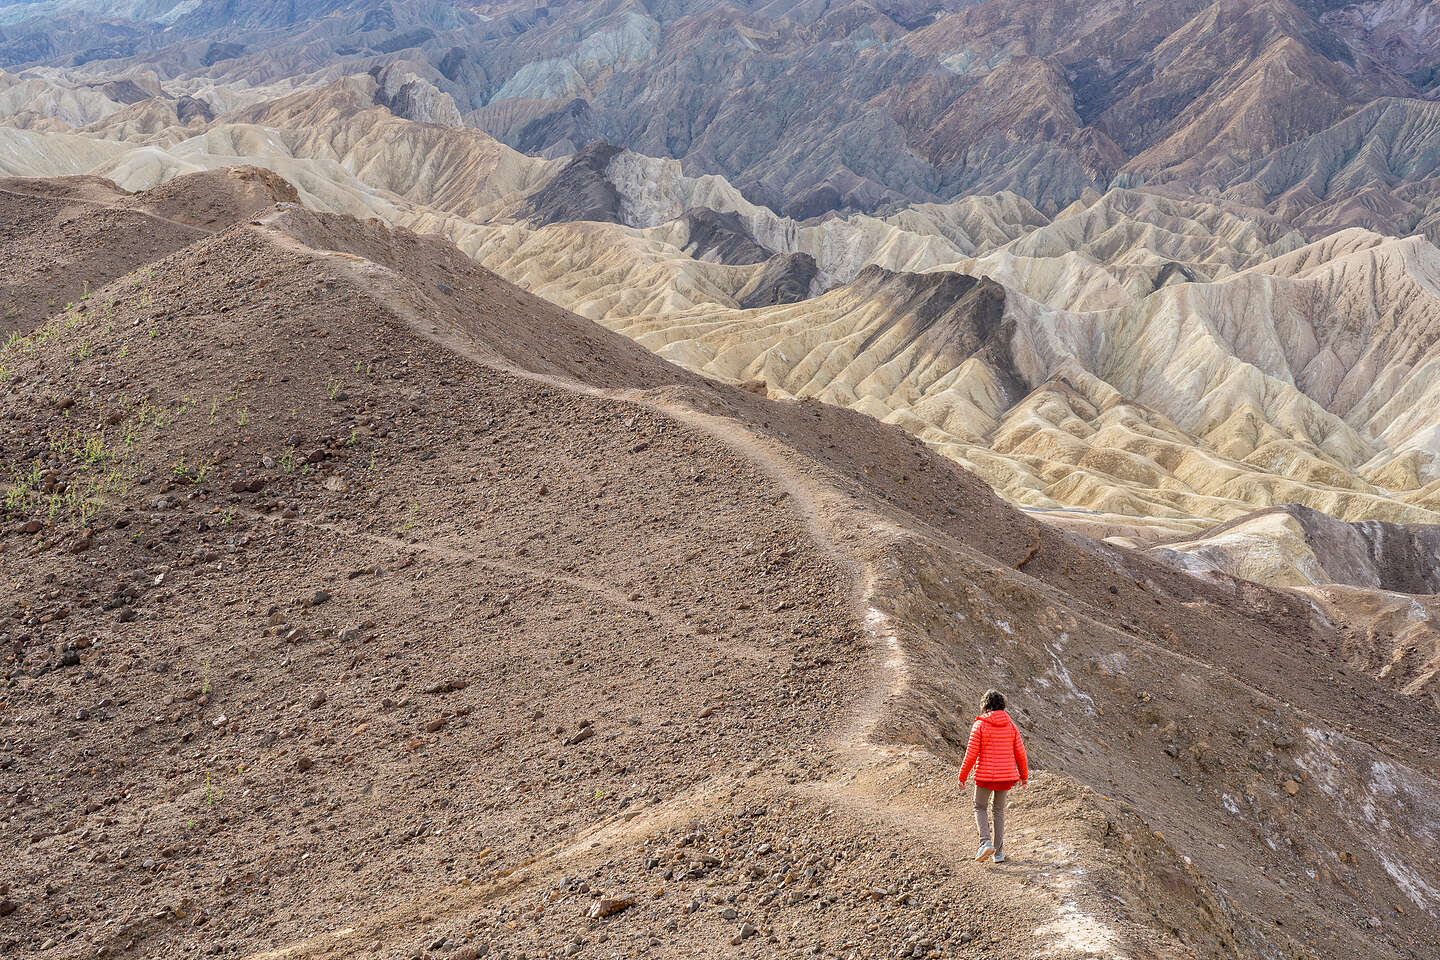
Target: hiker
[{"x": 997, "y": 755}]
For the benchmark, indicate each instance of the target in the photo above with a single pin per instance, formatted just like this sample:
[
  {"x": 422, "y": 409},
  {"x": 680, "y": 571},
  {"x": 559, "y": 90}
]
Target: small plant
[
  {"x": 205, "y": 678},
  {"x": 94, "y": 451},
  {"x": 214, "y": 407},
  {"x": 287, "y": 461},
  {"x": 192, "y": 474},
  {"x": 411, "y": 513},
  {"x": 244, "y": 416},
  {"x": 86, "y": 511},
  {"x": 335, "y": 388},
  {"x": 22, "y": 487},
  {"x": 228, "y": 517}
]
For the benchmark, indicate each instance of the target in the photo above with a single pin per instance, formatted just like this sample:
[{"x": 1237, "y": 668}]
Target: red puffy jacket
[{"x": 996, "y": 752}]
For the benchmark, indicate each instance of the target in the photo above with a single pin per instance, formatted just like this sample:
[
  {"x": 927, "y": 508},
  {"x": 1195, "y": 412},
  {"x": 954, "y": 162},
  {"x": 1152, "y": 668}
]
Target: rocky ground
[
  {"x": 361, "y": 604},
  {"x": 73, "y": 235}
]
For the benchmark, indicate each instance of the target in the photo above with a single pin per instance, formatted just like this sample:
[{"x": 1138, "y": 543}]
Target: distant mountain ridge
[
  {"x": 1142, "y": 359},
  {"x": 810, "y": 109}
]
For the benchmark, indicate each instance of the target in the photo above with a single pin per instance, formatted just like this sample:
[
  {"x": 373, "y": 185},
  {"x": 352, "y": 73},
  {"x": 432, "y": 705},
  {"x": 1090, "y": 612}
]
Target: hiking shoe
[
  {"x": 987, "y": 850},
  {"x": 999, "y": 858}
]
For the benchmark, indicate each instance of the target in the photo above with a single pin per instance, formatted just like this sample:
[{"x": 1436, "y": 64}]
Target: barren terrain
[
  {"x": 364, "y": 604},
  {"x": 487, "y": 479}
]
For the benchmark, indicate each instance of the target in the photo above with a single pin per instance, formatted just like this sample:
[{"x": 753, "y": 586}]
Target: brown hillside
[
  {"x": 364, "y": 605},
  {"x": 62, "y": 239}
]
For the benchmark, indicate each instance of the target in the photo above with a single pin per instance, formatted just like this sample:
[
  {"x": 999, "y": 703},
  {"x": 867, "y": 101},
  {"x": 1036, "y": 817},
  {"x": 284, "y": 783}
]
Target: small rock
[
  {"x": 581, "y": 736},
  {"x": 303, "y": 764},
  {"x": 609, "y": 906},
  {"x": 319, "y": 597},
  {"x": 1291, "y": 787}
]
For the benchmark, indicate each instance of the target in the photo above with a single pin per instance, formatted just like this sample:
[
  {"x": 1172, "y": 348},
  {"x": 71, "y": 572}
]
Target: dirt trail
[
  {"x": 1039, "y": 883},
  {"x": 495, "y": 603}
]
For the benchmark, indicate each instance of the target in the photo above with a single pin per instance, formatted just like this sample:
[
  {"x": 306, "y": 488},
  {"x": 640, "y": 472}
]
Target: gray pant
[{"x": 982, "y": 819}]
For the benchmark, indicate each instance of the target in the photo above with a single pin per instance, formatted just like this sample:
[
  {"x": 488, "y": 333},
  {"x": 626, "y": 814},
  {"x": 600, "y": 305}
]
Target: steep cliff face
[
  {"x": 414, "y": 98},
  {"x": 581, "y": 190}
]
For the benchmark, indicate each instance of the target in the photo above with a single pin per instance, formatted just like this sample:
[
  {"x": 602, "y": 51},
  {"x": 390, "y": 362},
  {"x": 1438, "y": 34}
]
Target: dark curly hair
[{"x": 994, "y": 700}]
